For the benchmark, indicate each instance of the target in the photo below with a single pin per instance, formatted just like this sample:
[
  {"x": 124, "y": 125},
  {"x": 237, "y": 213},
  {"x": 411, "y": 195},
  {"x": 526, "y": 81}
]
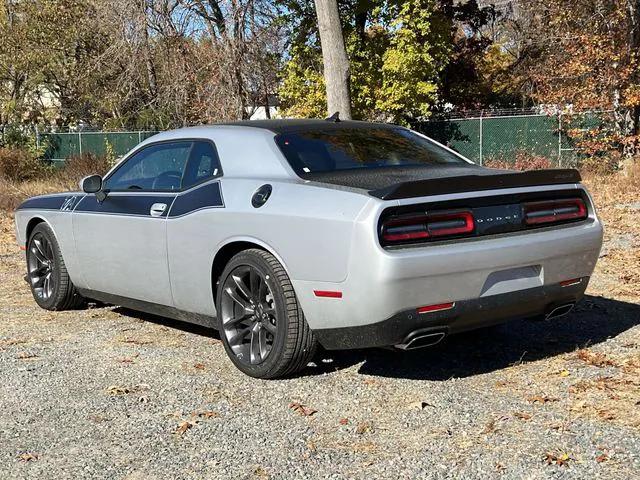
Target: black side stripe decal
[
  {"x": 129, "y": 204},
  {"x": 49, "y": 202},
  {"x": 206, "y": 196}
]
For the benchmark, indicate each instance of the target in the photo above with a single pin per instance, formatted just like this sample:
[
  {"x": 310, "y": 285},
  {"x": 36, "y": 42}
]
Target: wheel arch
[
  {"x": 229, "y": 249},
  {"x": 31, "y": 224}
]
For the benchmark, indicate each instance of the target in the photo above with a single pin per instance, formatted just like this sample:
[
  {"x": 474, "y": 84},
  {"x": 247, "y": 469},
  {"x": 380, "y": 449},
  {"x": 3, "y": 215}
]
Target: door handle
[{"x": 157, "y": 209}]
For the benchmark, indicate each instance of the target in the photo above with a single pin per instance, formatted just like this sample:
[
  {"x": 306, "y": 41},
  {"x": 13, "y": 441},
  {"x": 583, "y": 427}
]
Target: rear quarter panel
[{"x": 308, "y": 228}]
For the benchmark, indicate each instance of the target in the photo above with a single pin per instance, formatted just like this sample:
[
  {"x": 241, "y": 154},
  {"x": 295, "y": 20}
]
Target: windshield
[{"x": 355, "y": 148}]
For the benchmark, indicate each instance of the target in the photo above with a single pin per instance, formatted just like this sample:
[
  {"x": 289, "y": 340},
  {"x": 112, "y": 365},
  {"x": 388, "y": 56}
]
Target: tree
[
  {"x": 408, "y": 58},
  {"x": 334, "y": 55},
  {"x": 583, "y": 55}
]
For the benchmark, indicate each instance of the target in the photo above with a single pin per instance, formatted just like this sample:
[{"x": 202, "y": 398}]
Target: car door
[
  {"x": 121, "y": 241},
  {"x": 193, "y": 230}
]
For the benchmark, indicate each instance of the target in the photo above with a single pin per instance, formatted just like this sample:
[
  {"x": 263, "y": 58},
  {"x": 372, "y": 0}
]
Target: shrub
[
  {"x": 80, "y": 166},
  {"x": 18, "y": 165}
]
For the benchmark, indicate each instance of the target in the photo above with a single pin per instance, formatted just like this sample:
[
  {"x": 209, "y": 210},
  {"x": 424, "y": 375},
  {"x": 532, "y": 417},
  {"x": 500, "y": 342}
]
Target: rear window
[{"x": 356, "y": 148}]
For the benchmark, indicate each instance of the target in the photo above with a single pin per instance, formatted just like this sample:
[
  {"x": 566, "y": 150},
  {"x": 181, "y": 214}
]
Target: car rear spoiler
[{"x": 470, "y": 183}]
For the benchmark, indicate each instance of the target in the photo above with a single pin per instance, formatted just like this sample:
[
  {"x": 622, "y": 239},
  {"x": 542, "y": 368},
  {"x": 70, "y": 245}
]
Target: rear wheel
[
  {"x": 261, "y": 323},
  {"x": 47, "y": 274}
]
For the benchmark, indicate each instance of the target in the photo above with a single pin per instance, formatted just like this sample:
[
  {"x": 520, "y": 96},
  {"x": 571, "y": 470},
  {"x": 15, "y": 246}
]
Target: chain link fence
[
  {"x": 60, "y": 146},
  {"x": 485, "y": 138},
  {"x": 503, "y": 138}
]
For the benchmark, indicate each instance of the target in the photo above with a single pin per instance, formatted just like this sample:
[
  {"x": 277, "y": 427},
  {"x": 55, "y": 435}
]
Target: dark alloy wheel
[
  {"x": 41, "y": 267},
  {"x": 47, "y": 274},
  {"x": 248, "y": 314},
  {"x": 261, "y": 323}
]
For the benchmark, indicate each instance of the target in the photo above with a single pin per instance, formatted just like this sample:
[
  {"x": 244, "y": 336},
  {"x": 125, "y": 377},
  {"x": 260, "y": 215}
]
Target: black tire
[
  {"x": 61, "y": 293},
  {"x": 293, "y": 344}
]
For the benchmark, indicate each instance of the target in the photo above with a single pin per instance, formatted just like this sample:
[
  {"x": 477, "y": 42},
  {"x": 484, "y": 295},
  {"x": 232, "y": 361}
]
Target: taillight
[
  {"x": 553, "y": 211},
  {"x": 412, "y": 228}
]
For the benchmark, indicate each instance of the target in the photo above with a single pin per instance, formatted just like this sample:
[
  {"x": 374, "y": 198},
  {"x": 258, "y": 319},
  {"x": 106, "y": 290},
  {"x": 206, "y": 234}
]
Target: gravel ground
[{"x": 109, "y": 393}]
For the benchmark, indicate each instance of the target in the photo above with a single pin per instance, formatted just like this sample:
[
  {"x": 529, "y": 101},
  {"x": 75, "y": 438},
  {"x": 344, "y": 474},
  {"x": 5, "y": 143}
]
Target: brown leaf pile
[{"x": 596, "y": 359}]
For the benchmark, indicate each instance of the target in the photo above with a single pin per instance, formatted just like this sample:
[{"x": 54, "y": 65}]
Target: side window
[
  {"x": 203, "y": 164},
  {"x": 156, "y": 168}
]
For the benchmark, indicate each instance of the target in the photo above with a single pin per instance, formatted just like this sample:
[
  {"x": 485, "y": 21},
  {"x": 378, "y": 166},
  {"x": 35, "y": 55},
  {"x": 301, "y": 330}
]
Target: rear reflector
[
  {"x": 436, "y": 308},
  {"x": 573, "y": 281},
  {"x": 327, "y": 294},
  {"x": 432, "y": 225},
  {"x": 553, "y": 211}
]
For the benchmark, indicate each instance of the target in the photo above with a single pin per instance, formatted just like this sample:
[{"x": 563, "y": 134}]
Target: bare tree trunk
[
  {"x": 334, "y": 56},
  {"x": 633, "y": 11},
  {"x": 146, "y": 52}
]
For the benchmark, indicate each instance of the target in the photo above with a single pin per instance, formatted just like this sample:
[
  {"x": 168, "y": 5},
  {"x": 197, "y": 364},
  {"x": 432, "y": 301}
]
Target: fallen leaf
[
  {"x": 560, "y": 459},
  {"x": 14, "y": 341},
  {"x": 205, "y": 414},
  {"x": 522, "y": 415},
  {"x": 606, "y": 414},
  {"x": 130, "y": 359},
  {"x": 27, "y": 457},
  {"x": 25, "y": 355},
  {"x": 302, "y": 409},
  {"x": 115, "y": 390},
  {"x": 260, "y": 472},
  {"x": 199, "y": 366},
  {"x": 564, "y": 373},
  {"x": 343, "y": 421},
  {"x": 490, "y": 427},
  {"x": 184, "y": 426},
  {"x": 541, "y": 399},
  {"x": 363, "y": 428},
  {"x": 602, "y": 458}
]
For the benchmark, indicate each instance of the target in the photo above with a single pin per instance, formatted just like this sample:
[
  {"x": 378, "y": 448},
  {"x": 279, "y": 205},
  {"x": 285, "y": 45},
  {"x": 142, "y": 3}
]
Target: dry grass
[
  {"x": 615, "y": 188},
  {"x": 49, "y": 180},
  {"x": 617, "y": 198}
]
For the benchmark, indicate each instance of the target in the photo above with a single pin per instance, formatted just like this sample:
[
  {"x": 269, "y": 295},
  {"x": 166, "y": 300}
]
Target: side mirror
[{"x": 91, "y": 184}]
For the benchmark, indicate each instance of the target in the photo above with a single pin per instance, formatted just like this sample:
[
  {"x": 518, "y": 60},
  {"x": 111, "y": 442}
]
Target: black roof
[{"x": 294, "y": 125}]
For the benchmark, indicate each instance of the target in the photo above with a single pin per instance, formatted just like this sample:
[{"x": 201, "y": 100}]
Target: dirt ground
[{"x": 109, "y": 393}]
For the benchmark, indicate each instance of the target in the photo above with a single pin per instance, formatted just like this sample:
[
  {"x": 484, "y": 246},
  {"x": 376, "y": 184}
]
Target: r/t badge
[{"x": 68, "y": 204}]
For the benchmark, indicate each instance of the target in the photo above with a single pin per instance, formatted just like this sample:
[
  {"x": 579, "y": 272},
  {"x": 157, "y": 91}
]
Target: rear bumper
[
  {"x": 382, "y": 283},
  {"x": 465, "y": 315}
]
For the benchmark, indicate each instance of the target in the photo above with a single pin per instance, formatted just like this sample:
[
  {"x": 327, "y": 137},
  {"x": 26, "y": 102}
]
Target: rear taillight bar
[
  {"x": 553, "y": 211},
  {"x": 428, "y": 225}
]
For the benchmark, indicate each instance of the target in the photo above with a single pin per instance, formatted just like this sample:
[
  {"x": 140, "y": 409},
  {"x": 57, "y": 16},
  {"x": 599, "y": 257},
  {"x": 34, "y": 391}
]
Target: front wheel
[
  {"x": 47, "y": 274},
  {"x": 261, "y": 323}
]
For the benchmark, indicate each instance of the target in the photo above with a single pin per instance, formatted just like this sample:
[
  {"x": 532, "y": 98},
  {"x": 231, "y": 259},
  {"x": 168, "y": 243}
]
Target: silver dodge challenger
[{"x": 286, "y": 235}]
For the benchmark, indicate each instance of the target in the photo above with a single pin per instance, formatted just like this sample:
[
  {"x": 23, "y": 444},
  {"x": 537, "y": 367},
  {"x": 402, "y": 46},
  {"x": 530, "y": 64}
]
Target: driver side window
[{"x": 157, "y": 168}]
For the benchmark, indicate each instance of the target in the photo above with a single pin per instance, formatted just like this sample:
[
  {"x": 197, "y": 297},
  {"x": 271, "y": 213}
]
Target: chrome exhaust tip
[
  {"x": 421, "y": 340},
  {"x": 560, "y": 311}
]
